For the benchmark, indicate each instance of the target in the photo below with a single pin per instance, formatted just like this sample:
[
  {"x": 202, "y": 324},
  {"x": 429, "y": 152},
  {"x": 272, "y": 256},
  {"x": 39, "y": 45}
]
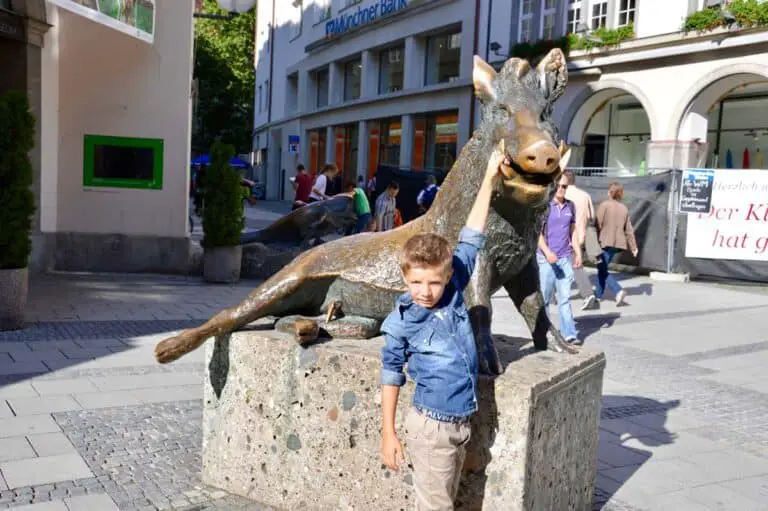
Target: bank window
[
  {"x": 391, "y": 70},
  {"x": 295, "y": 19},
  {"x": 442, "y": 139},
  {"x": 626, "y": 12},
  {"x": 352, "y": 79},
  {"x": 322, "y": 10},
  {"x": 443, "y": 55},
  {"x": 548, "y": 19},
  {"x": 391, "y": 133},
  {"x": 599, "y": 15},
  {"x": 574, "y": 17},
  {"x": 525, "y": 26},
  {"x": 121, "y": 162},
  {"x": 321, "y": 84}
]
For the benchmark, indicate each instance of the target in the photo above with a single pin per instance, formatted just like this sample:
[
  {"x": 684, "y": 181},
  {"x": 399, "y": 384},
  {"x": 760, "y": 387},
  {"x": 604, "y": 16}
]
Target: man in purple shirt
[{"x": 559, "y": 252}]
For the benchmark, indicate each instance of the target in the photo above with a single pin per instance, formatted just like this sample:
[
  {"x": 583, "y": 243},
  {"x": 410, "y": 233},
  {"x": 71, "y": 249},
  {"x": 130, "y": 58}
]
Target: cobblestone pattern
[
  {"x": 71, "y": 373},
  {"x": 46, "y": 492},
  {"x": 73, "y": 330},
  {"x": 147, "y": 457}
]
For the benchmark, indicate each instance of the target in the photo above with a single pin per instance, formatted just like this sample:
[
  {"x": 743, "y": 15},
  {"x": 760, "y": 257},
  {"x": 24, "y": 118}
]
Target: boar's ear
[
  {"x": 483, "y": 76},
  {"x": 552, "y": 74}
]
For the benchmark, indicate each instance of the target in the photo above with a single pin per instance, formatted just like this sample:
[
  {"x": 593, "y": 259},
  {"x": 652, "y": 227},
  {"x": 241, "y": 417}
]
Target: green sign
[{"x": 133, "y": 17}]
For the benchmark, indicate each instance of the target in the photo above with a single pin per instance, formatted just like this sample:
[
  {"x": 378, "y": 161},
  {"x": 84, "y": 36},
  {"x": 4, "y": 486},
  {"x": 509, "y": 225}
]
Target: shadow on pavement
[
  {"x": 588, "y": 325},
  {"x": 624, "y": 419}
]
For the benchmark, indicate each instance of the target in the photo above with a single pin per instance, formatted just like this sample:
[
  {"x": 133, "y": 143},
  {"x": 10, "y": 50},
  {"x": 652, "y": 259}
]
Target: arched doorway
[
  {"x": 611, "y": 128},
  {"x": 731, "y": 114}
]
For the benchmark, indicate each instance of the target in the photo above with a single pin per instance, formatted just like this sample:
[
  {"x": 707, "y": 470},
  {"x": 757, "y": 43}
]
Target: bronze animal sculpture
[
  {"x": 307, "y": 225},
  {"x": 362, "y": 272}
]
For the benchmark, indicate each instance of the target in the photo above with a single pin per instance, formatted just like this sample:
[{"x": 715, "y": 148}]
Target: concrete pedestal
[{"x": 299, "y": 428}]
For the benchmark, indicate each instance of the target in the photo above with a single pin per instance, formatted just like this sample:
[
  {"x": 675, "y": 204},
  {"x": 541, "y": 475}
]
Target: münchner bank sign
[{"x": 365, "y": 14}]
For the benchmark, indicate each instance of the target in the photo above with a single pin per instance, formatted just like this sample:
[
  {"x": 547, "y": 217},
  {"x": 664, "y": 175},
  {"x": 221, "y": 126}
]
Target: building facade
[
  {"x": 369, "y": 82},
  {"x": 361, "y": 83},
  {"x": 109, "y": 85},
  {"x": 659, "y": 98}
]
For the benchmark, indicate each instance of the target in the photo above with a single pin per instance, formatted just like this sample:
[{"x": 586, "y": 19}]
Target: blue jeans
[
  {"x": 559, "y": 276},
  {"x": 605, "y": 279},
  {"x": 362, "y": 222}
]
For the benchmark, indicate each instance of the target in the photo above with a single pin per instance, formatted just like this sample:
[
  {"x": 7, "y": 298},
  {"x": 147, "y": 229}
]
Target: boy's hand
[
  {"x": 391, "y": 451},
  {"x": 494, "y": 164}
]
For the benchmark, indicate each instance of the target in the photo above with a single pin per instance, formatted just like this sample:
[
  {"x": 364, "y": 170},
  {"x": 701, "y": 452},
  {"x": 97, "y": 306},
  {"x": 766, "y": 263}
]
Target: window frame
[
  {"x": 603, "y": 15},
  {"x": 90, "y": 142},
  {"x": 552, "y": 11},
  {"x": 626, "y": 11},
  {"x": 450, "y": 36},
  {"x": 358, "y": 61},
  {"x": 575, "y": 6},
  {"x": 327, "y": 72},
  {"x": 525, "y": 17},
  {"x": 386, "y": 51}
]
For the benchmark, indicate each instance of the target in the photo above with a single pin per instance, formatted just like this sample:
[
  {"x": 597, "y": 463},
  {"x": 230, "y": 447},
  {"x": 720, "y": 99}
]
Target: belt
[{"x": 451, "y": 419}]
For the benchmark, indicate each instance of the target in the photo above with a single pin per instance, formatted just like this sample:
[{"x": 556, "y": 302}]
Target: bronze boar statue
[
  {"x": 361, "y": 274},
  {"x": 307, "y": 225}
]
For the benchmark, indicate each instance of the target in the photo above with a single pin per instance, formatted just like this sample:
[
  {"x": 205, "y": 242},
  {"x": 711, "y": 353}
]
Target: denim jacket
[{"x": 438, "y": 343}]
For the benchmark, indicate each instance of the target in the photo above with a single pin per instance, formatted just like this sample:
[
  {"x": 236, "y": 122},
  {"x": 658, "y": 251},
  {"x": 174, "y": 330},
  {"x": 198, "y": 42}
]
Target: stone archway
[
  {"x": 609, "y": 124},
  {"x": 689, "y": 120}
]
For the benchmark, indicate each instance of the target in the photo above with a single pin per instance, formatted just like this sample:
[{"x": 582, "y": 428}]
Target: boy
[
  {"x": 430, "y": 330},
  {"x": 362, "y": 207}
]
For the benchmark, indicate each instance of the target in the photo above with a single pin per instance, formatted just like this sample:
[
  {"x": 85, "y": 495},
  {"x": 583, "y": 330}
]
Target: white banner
[{"x": 736, "y": 226}]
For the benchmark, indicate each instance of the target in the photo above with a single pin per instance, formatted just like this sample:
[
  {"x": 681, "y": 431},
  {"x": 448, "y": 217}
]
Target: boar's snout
[{"x": 541, "y": 157}]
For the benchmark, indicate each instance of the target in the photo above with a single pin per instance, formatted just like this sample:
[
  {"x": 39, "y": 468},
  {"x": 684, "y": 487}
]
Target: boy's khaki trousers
[{"x": 436, "y": 450}]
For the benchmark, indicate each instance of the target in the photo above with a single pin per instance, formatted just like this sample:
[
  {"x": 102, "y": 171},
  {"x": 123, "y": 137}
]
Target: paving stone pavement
[{"x": 89, "y": 421}]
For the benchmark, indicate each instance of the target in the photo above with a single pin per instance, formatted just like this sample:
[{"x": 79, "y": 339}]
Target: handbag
[{"x": 592, "y": 242}]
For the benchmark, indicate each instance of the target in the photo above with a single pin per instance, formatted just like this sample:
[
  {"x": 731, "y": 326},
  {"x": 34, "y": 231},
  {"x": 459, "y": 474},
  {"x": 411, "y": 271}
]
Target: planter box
[
  {"x": 221, "y": 265},
  {"x": 13, "y": 298}
]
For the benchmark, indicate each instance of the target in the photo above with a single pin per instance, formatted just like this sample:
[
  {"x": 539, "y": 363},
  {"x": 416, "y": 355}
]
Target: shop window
[
  {"x": 525, "y": 25},
  {"x": 316, "y": 150},
  {"x": 391, "y": 70},
  {"x": 442, "y": 139},
  {"x": 548, "y": 12},
  {"x": 599, "y": 15},
  {"x": 352, "y": 79},
  {"x": 391, "y": 133},
  {"x": 121, "y": 162},
  {"x": 321, "y": 86},
  {"x": 443, "y": 58},
  {"x": 626, "y": 12}
]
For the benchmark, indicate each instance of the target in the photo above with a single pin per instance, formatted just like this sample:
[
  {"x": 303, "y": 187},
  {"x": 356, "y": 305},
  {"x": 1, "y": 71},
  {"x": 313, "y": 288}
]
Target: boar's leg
[
  {"x": 524, "y": 289},
  {"x": 478, "y": 300}
]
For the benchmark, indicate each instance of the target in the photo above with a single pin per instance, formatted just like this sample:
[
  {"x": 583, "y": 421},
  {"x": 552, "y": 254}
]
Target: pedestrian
[
  {"x": 430, "y": 331},
  {"x": 371, "y": 188},
  {"x": 385, "y": 207},
  {"x": 427, "y": 195},
  {"x": 616, "y": 235},
  {"x": 585, "y": 215},
  {"x": 362, "y": 207},
  {"x": 329, "y": 172},
  {"x": 302, "y": 185},
  {"x": 559, "y": 253}
]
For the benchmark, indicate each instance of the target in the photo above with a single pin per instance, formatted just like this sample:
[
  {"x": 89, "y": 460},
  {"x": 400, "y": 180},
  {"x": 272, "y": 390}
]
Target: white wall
[
  {"x": 113, "y": 84},
  {"x": 656, "y": 17}
]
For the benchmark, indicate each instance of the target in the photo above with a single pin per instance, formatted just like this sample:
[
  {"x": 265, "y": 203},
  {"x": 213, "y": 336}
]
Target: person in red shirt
[{"x": 302, "y": 183}]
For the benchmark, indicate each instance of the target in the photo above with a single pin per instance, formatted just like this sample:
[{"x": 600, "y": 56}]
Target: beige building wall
[{"x": 112, "y": 84}]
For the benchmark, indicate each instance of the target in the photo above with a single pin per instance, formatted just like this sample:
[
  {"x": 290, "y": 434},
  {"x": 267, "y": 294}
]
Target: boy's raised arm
[{"x": 478, "y": 215}]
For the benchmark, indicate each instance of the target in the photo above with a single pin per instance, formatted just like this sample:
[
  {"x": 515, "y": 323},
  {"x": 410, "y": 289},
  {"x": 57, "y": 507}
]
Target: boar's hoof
[{"x": 306, "y": 330}]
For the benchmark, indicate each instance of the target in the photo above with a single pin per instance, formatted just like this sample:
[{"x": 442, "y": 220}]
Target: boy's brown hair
[{"x": 427, "y": 249}]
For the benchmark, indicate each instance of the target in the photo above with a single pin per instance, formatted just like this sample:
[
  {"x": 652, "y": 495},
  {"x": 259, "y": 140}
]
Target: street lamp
[{"x": 233, "y": 8}]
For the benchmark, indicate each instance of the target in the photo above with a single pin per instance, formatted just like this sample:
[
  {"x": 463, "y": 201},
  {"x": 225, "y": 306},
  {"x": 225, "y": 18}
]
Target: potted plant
[
  {"x": 17, "y": 205},
  {"x": 223, "y": 219}
]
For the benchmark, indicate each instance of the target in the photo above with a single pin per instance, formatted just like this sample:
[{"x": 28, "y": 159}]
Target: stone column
[
  {"x": 370, "y": 75},
  {"x": 330, "y": 145},
  {"x": 406, "y": 140},
  {"x": 304, "y": 101},
  {"x": 335, "y": 83},
  {"x": 363, "y": 149},
  {"x": 415, "y": 54}
]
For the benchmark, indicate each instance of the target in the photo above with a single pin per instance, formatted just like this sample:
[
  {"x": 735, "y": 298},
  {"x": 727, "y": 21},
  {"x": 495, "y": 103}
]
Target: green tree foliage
[
  {"x": 225, "y": 77},
  {"x": 223, "y": 219},
  {"x": 17, "y": 202}
]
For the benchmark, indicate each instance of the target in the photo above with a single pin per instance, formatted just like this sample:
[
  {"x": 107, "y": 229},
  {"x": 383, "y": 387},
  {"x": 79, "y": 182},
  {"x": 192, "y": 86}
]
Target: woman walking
[{"x": 616, "y": 235}]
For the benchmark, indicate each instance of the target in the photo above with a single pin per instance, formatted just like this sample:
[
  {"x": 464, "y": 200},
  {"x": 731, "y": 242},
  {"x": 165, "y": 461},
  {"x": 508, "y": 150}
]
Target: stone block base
[
  {"x": 71, "y": 251},
  {"x": 299, "y": 428}
]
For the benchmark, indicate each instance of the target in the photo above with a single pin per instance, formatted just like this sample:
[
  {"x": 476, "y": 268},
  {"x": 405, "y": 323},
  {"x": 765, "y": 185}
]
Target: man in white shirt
[
  {"x": 385, "y": 208},
  {"x": 585, "y": 212},
  {"x": 330, "y": 171}
]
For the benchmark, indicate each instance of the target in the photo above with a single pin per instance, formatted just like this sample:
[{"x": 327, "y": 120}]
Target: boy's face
[{"x": 426, "y": 284}]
